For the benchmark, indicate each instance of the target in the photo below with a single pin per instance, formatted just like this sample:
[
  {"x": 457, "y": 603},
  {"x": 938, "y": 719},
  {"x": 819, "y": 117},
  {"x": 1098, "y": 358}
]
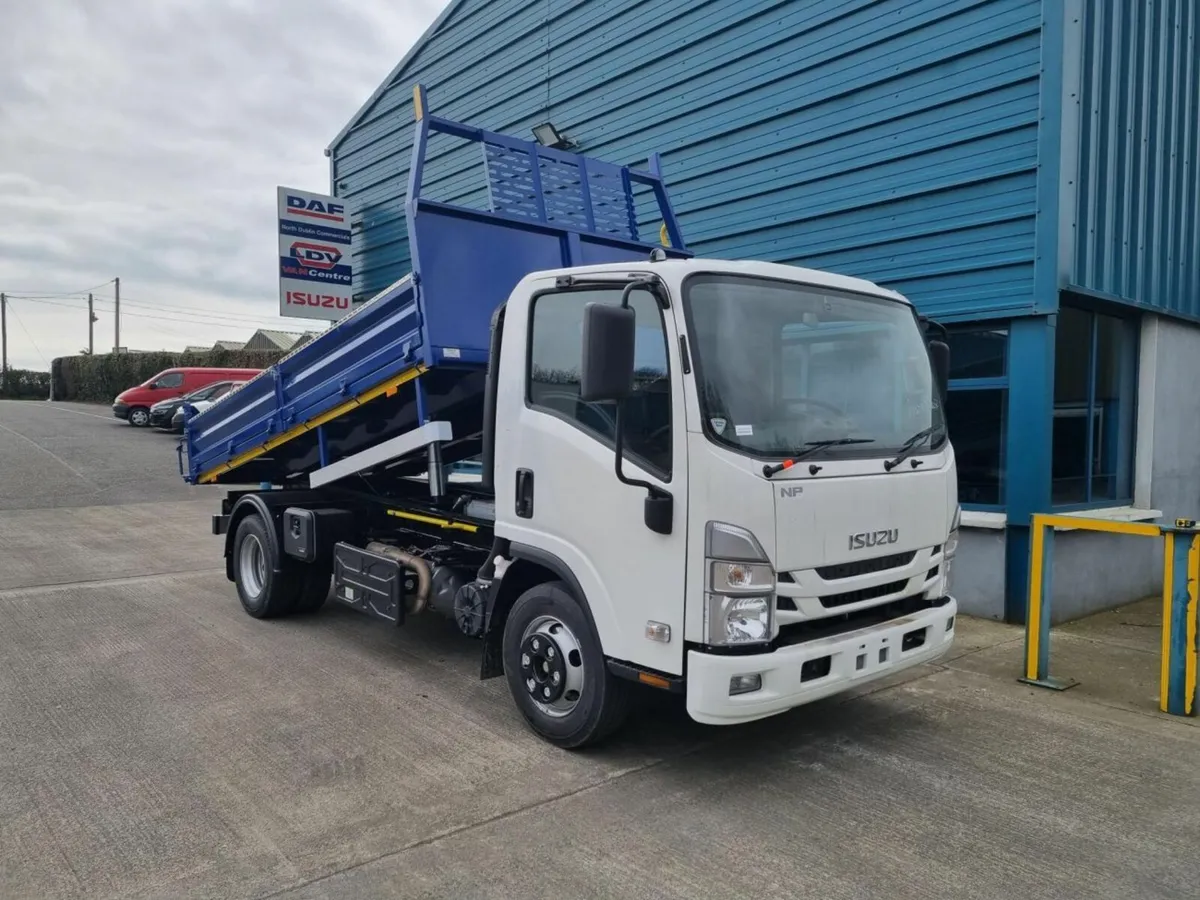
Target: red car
[{"x": 134, "y": 404}]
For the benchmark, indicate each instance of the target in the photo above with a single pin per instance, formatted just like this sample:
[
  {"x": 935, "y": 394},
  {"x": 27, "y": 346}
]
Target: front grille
[
  {"x": 840, "y": 623},
  {"x": 866, "y": 566},
  {"x": 831, "y": 601}
]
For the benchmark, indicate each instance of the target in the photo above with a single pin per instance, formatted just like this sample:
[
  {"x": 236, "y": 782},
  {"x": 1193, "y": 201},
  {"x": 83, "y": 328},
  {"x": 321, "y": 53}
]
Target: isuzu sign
[{"x": 315, "y": 276}]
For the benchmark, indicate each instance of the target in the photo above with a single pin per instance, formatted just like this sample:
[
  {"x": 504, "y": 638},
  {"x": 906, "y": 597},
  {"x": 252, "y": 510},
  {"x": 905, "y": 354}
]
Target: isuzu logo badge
[{"x": 864, "y": 539}]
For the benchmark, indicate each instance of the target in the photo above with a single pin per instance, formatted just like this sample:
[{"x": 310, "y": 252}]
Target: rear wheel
[
  {"x": 556, "y": 670},
  {"x": 264, "y": 592},
  {"x": 139, "y": 417}
]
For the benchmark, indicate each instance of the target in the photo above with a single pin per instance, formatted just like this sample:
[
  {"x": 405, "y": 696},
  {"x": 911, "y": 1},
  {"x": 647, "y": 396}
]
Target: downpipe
[{"x": 417, "y": 564}]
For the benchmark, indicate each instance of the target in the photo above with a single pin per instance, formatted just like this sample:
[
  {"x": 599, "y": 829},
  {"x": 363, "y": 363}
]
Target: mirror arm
[
  {"x": 618, "y": 427},
  {"x": 618, "y": 446}
]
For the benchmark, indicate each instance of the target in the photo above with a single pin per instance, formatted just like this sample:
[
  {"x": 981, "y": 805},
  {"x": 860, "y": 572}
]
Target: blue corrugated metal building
[{"x": 1026, "y": 171}]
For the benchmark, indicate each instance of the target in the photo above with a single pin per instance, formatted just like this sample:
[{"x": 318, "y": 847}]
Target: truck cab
[{"x": 785, "y": 425}]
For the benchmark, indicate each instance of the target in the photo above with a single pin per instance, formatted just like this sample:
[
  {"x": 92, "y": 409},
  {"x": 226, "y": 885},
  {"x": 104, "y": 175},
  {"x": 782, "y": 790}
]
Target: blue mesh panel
[{"x": 512, "y": 191}]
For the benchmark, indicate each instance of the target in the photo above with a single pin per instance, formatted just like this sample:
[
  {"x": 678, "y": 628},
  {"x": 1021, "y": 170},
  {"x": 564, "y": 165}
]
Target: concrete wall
[
  {"x": 978, "y": 573},
  {"x": 1169, "y": 416},
  {"x": 1094, "y": 572}
]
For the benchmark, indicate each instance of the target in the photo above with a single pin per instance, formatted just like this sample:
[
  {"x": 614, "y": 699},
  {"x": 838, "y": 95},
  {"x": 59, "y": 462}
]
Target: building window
[
  {"x": 556, "y": 357},
  {"x": 977, "y": 412},
  {"x": 1095, "y": 372}
]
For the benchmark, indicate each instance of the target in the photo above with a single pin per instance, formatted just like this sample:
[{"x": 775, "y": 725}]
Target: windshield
[{"x": 780, "y": 365}]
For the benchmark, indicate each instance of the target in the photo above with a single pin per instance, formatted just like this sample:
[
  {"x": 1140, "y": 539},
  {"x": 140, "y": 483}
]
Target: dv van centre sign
[{"x": 314, "y": 256}]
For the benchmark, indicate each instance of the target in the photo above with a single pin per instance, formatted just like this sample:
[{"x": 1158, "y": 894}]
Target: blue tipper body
[{"x": 419, "y": 349}]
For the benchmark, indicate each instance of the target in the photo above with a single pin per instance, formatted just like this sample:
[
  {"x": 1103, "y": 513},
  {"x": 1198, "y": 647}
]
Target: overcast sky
[{"x": 145, "y": 139}]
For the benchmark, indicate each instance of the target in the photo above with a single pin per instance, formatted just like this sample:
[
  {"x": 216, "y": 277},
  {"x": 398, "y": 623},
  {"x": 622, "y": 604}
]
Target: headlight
[
  {"x": 951, "y": 546},
  {"x": 739, "y": 598},
  {"x": 949, "y": 549},
  {"x": 739, "y": 620}
]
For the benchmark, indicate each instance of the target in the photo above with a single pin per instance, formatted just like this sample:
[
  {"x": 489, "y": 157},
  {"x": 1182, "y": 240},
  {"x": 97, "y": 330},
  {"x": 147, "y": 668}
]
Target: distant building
[
  {"x": 264, "y": 339},
  {"x": 229, "y": 345},
  {"x": 192, "y": 348}
]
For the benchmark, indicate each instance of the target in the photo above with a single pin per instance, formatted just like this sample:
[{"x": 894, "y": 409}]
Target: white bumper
[{"x": 878, "y": 649}]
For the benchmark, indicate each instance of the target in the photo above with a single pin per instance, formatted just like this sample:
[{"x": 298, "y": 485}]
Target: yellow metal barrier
[{"x": 1181, "y": 585}]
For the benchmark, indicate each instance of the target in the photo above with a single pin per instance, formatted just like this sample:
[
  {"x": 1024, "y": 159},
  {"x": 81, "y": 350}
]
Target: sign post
[{"x": 314, "y": 256}]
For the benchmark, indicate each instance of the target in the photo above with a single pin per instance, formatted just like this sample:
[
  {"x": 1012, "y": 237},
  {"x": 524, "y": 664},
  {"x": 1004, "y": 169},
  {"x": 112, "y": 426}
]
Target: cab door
[{"x": 556, "y": 485}]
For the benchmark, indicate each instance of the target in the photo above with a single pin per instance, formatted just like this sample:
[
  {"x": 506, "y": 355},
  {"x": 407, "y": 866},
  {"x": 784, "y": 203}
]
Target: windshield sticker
[
  {"x": 743, "y": 430},
  {"x": 718, "y": 425}
]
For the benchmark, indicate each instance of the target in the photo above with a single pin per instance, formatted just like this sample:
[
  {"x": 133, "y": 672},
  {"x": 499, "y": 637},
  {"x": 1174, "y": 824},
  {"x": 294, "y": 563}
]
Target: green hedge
[
  {"x": 22, "y": 384},
  {"x": 101, "y": 377}
]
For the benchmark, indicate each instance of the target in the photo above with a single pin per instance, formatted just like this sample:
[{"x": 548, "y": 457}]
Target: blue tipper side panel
[
  {"x": 891, "y": 139},
  {"x": 1137, "y": 234},
  {"x": 549, "y": 209}
]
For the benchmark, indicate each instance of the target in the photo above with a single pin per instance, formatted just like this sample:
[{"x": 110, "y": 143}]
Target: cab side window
[
  {"x": 555, "y": 361},
  {"x": 170, "y": 380}
]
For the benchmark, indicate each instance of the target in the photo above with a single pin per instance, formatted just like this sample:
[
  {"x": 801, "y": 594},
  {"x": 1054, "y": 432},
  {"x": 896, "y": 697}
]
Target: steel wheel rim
[
  {"x": 558, "y": 650},
  {"x": 253, "y": 565},
  {"x": 139, "y": 417}
]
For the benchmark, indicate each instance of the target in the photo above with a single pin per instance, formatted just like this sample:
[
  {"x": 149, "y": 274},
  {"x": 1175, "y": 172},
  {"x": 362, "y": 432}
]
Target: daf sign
[{"x": 315, "y": 277}]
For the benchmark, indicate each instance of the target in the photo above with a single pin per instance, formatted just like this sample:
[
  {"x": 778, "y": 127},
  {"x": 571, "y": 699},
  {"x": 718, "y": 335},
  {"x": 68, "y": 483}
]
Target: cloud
[{"x": 145, "y": 139}]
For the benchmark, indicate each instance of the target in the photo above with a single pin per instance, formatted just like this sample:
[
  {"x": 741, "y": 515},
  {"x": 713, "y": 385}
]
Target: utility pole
[
  {"x": 117, "y": 318},
  {"x": 91, "y": 329},
  {"x": 3, "y": 342}
]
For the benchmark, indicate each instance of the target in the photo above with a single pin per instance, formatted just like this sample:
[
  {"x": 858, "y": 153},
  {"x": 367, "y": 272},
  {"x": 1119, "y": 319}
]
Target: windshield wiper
[
  {"x": 809, "y": 448},
  {"x": 908, "y": 446}
]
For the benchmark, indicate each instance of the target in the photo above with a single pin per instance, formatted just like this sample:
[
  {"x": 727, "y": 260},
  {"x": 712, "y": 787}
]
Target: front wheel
[
  {"x": 557, "y": 672},
  {"x": 139, "y": 417}
]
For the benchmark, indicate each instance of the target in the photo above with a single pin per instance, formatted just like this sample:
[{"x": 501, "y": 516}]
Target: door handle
[{"x": 524, "y": 502}]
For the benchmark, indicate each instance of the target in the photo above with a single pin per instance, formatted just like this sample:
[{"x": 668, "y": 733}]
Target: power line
[
  {"x": 197, "y": 318},
  {"x": 26, "y": 295},
  {"x": 170, "y": 307},
  {"x": 142, "y": 304}
]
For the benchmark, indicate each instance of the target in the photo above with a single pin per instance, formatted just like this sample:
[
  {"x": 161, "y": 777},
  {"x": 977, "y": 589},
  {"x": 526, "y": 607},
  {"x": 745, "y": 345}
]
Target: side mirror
[
  {"x": 939, "y": 359},
  {"x": 608, "y": 340}
]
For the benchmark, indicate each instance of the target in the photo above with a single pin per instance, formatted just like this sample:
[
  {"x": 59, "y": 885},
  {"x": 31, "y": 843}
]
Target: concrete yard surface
[
  {"x": 157, "y": 742},
  {"x": 78, "y": 454}
]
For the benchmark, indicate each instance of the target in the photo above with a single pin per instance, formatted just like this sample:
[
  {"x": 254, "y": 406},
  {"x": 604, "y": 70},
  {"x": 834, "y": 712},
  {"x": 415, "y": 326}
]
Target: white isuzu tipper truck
[{"x": 729, "y": 480}]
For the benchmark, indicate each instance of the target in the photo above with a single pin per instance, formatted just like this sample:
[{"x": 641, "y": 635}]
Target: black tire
[
  {"x": 139, "y": 417},
  {"x": 318, "y": 581},
  {"x": 264, "y": 593},
  {"x": 603, "y": 701}
]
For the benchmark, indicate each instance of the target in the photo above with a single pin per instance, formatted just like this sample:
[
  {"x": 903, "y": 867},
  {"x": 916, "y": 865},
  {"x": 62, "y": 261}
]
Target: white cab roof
[{"x": 675, "y": 270}]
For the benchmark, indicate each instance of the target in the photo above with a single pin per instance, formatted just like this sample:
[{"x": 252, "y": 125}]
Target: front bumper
[
  {"x": 121, "y": 410},
  {"x": 879, "y": 649},
  {"x": 161, "y": 418}
]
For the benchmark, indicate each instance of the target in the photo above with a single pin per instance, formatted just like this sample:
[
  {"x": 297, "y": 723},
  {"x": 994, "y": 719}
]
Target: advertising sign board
[{"x": 314, "y": 255}]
